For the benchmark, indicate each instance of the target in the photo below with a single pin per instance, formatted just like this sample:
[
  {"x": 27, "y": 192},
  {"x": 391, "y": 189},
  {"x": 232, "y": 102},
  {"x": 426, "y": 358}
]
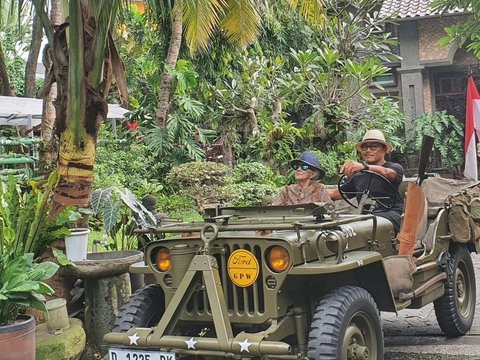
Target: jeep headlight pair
[{"x": 278, "y": 259}]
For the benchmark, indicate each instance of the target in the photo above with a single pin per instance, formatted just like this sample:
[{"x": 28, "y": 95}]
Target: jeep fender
[{"x": 364, "y": 267}]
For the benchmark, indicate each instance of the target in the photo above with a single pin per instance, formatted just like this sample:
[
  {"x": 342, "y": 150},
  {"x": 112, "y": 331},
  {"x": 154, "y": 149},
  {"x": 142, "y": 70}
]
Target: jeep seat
[
  {"x": 436, "y": 190},
  {"x": 414, "y": 217}
]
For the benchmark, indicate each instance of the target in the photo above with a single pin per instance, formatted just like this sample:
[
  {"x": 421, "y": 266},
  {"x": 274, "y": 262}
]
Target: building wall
[
  {"x": 427, "y": 93},
  {"x": 464, "y": 58},
  {"x": 429, "y": 32},
  {"x": 423, "y": 60}
]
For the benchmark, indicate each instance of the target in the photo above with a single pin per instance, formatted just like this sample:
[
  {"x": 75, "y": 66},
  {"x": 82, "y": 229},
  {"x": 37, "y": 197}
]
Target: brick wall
[
  {"x": 427, "y": 93},
  {"x": 429, "y": 32}
]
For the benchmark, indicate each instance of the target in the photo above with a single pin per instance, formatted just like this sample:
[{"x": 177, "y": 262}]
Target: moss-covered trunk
[
  {"x": 163, "y": 104},
  {"x": 5, "y": 88},
  {"x": 80, "y": 48}
]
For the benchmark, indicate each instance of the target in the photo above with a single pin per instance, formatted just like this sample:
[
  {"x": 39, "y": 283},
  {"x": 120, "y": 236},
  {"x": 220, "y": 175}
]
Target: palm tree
[
  {"x": 49, "y": 145},
  {"x": 8, "y": 9},
  {"x": 5, "y": 88},
  {"x": 83, "y": 68},
  {"x": 31, "y": 64},
  {"x": 240, "y": 20}
]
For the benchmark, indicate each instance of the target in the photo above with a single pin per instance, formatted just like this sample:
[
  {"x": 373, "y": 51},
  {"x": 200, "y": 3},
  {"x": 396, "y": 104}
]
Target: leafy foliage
[
  {"x": 250, "y": 193},
  {"x": 465, "y": 32},
  {"x": 123, "y": 165},
  {"x": 201, "y": 181},
  {"x": 330, "y": 161},
  {"x": 381, "y": 113},
  {"x": 25, "y": 232},
  {"x": 255, "y": 172},
  {"x": 21, "y": 284},
  {"x": 210, "y": 183},
  {"x": 447, "y": 132},
  {"x": 25, "y": 226},
  {"x": 120, "y": 213},
  {"x": 197, "y": 174},
  {"x": 15, "y": 34},
  {"x": 178, "y": 207}
]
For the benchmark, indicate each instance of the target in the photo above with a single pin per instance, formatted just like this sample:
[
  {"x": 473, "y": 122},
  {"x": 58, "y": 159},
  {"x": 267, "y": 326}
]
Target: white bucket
[{"x": 76, "y": 244}]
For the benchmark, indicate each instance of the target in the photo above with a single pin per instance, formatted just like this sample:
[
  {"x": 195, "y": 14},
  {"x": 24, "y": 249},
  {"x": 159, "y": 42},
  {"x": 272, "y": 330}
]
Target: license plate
[{"x": 129, "y": 354}]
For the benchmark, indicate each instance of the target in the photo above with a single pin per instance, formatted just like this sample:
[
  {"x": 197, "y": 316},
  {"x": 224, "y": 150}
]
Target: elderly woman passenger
[{"x": 306, "y": 189}]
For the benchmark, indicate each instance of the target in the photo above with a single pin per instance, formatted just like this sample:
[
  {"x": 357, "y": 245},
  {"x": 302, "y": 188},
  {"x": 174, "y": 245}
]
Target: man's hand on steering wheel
[
  {"x": 351, "y": 168},
  {"x": 378, "y": 199}
]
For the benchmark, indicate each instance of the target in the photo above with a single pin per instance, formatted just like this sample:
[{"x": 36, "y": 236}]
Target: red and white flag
[{"x": 472, "y": 123}]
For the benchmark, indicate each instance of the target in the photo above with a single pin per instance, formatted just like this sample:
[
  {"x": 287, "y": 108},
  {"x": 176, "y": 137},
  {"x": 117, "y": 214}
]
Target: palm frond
[
  {"x": 104, "y": 13},
  {"x": 76, "y": 73},
  {"x": 159, "y": 11},
  {"x": 311, "y": 10},
  {"x": 201, "y": 17},
  {"x": 159, "y": 141},
  {"x": 242, "y": 22}
]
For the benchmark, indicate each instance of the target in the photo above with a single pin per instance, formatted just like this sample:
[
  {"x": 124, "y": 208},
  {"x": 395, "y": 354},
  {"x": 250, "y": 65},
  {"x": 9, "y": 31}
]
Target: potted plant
[
  {"x": 21, "y": 286},
  {"x": 25, "y": 232}
]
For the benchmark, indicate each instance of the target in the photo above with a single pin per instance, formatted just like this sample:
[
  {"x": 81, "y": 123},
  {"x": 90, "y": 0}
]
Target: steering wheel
[{"x": 345, "y": 195}]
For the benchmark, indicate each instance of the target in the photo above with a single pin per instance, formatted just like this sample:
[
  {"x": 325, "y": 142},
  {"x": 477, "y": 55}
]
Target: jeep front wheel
[
  {"x": 346, "y": 325},
  {"x": 144, "y": 309},
  {"x": 456, "y": 308}
]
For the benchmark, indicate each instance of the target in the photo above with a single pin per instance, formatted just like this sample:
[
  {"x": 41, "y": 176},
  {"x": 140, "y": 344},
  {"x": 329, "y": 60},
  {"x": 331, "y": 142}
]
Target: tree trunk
[
  {"x": 49, "y": 145},
  {"x": 31, "y": 65},
  {"x": 163, "y": 104},
  {"x": 5, "y": 88},
  {"x": 277, "y": 110}
]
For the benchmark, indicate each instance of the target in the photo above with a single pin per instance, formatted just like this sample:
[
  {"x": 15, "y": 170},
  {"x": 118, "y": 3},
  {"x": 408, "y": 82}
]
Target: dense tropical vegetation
[{"x": 245, "y": 84}]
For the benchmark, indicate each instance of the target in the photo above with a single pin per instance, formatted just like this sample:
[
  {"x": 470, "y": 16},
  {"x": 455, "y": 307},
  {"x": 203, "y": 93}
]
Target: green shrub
[
  {"x": 123, "y": 166},
  {"x": 250, "y": 193},
  {"x": 447, "y": 132},
  {"x": 330, "y": 161},
  {"x": 255, "y": 172},
  {"x": 197, "y": 173},
  {"x": 172, "y": 203},
  {"x": 178, "y": 207}
]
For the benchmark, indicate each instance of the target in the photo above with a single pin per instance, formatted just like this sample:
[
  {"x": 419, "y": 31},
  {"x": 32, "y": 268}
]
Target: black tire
[
  {"x": 144, "y": 309},
  {"x": 346, "y": 325},
  {"x": 456, "y": 308}
]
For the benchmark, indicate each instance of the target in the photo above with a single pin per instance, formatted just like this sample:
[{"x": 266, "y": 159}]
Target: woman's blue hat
[{"x": 311, "y": 160}]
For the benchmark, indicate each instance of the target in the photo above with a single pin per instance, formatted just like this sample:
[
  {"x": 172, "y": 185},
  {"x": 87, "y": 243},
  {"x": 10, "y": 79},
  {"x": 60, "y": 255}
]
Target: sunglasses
[
  {"x": 372, "y": 146},
  {"x": 303, "y": 167}
]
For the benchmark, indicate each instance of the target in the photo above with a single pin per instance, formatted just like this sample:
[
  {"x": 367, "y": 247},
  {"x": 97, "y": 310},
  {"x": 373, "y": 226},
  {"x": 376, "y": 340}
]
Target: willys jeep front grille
[{"x": 240, "y": 302}]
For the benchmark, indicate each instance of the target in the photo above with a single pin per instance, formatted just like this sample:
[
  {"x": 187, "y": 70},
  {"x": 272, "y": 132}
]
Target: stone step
[{"x": 68, "y": 345}]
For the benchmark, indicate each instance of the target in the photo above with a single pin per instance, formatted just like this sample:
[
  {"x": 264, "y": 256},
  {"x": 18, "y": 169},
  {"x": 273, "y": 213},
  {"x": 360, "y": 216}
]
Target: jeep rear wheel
[
  {"x": 346, "y": 325},
  {"x": 144, "y": 309},
  {"x": 456, "y": 308}
]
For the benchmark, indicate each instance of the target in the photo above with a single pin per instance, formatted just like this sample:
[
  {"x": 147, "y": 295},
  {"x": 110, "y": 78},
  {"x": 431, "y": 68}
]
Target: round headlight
[
  {"x": 278, "y": 258},
  {"x": 163, "y": 259}
]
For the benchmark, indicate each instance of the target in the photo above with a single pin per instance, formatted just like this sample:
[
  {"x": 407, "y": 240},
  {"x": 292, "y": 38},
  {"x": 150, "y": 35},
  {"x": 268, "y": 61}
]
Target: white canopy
[{"x": 28, "y": 111}]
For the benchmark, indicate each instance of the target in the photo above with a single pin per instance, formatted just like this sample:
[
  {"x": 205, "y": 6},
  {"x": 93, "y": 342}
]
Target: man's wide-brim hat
[
  {"x": 311, "y": 160},
  {"x": 374, "y": 136}
]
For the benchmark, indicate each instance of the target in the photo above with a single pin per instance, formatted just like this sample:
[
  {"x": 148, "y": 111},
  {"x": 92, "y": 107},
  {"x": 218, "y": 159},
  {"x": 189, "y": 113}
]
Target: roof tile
[{"x": 410, "y": 8}]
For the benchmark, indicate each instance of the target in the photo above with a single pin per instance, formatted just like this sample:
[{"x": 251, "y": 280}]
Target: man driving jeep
[{"x": 373, "y": 148}]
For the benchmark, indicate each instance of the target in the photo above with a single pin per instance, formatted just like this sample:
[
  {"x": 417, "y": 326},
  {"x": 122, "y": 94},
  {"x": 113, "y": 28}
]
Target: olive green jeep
[{"x": 295, "y": 282}]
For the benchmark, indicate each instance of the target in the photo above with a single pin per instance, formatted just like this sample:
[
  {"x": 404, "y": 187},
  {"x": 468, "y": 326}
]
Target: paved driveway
[{"x": 415, "y": 334}]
